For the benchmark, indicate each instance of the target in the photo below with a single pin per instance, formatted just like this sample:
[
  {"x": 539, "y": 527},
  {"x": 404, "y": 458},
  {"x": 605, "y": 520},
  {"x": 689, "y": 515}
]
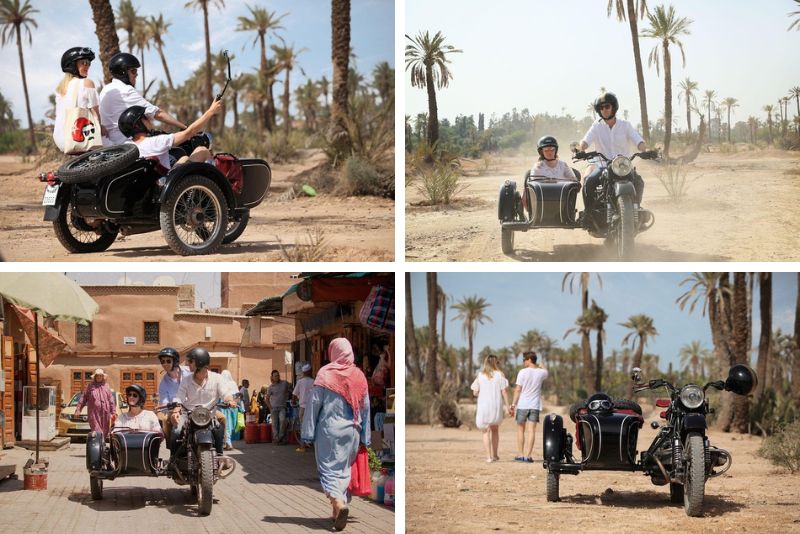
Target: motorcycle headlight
[
  {"x": 201, "y": 416},
  {"x": 621, "y": 166},
  {"x": 692, "y": 396}
]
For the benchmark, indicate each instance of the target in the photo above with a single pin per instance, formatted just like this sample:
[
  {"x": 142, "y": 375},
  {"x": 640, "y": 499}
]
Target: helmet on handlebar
[
  {"x": 69, "y": 60},
  {"x": 200, "y": 357},
  {"x": 169, "y": 352},
  {"x": 741, "y": 379},
  {"x": 139, "y": 390},
  {"x": 131, "y": 121},
  {"x": 547, "y": 140},
  {"x": 607, "y": 98},
  {"x": 119, "y": 65},
  {"x": 600, "y": 403}
]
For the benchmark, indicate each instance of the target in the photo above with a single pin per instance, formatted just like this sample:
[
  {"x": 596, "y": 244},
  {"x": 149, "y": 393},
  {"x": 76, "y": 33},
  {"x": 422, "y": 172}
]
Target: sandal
[
  {"x": 341, "y": 519},
  {"x": 519, "y": 458}
]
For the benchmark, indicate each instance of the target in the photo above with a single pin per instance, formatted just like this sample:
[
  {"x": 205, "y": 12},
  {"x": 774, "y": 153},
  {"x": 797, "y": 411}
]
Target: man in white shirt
[
  {"x": 300, "y": 394},
  {"x": 527, "y": 404},
  {"x": 611, "y": 137},
  {"x": 174, "y": 374},
  {"x": 121, "y": 94}
]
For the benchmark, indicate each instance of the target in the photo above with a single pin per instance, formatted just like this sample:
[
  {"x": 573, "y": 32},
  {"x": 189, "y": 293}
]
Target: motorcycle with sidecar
[
  {"x": 606, "y": 432},
  {"x": 126, "y": 452},
  {"x": 550, "y": 203}
]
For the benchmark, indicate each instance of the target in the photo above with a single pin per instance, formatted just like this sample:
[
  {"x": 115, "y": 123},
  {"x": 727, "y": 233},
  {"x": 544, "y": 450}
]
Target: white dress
[
  {"x": 87, "y": 98},
  {"x": 490, "y": 399}
]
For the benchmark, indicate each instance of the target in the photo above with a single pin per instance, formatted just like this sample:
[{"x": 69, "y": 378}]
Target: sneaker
[{"x": 528, "y": 460}]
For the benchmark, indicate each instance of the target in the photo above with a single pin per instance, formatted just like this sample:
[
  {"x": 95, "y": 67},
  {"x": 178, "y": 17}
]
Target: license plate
[{"x": 50, "y": 195}]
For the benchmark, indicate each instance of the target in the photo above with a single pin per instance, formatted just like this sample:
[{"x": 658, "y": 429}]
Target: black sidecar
[
  {"x": 94, "y": 197},
  {"x": 126, "y": 453}
]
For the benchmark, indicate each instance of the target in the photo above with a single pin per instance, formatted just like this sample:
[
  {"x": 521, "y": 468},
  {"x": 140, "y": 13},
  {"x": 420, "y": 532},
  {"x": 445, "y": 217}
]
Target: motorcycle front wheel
[
  {"x": 552, "y": 486},
  {"x": 624, "y": 230},
  {"x": 695, "y": 487},
  {"x": 205, "y": 486},
  {"x": 96, "y": 486}
]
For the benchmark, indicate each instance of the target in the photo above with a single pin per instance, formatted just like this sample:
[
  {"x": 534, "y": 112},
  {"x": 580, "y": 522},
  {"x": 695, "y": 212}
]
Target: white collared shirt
[
  {"x": 115, "y": 98},
  {"x": 622, "y": 139},
  {"x": 561, "y": 170},
  {"x": 213, "y": 388}
]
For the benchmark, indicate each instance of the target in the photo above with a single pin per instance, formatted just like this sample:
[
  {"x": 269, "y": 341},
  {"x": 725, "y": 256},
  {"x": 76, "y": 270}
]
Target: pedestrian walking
[
  {"x": 528, "y": 393},
  {"x": 490, "y": 386},
  {"x": 99, "y": 401}
]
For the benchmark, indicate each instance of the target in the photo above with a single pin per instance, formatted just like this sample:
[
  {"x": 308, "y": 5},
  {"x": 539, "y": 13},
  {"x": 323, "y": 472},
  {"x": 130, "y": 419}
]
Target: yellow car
[{"x": 79, "y": 428}]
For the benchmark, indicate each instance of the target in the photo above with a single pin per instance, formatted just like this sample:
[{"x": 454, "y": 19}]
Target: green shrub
[
  {"x": 14, "y": 141},
  {"x": 418, "y": 403},
  {"x": 440, "y": 184},
  {"x": 783, "y": 448},
  {"x": 360, "y": 177}
]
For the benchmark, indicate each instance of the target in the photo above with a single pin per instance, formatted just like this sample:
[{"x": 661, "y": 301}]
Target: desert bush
[
  {"x": 14, "y": 141},
  {"x": 278, "y": 147},
  {"x": 440, "y": 184},
  {"x": 360, "y": 177},
  {"x": 314, "y": 247},
  {"x": 783, "y": 448},
  {"x": 674, "y": 179},
  {"x": 417, "y": 403}
]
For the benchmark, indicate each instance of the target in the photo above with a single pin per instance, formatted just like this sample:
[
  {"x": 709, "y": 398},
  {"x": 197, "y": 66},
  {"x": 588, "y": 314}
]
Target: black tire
[
  {"x": 695, "y": 486},
  {"x": 96, "y": 487},
  {"x": 205, "y": 488},
  {"x": 193, "y": 491},
  {"x": 675, "y": 493},
  {"x": 194, "y": 217},
  {"x": 236, "y": 228},
  {"x": 75, "y": 234},
  {"x": 98, "y": 163},
  {"x": 624, "y": 237},
  {"x": 625, "y": 404},
  {"x": 552, "y": 487},
  {"x": 507, "y": 240}
]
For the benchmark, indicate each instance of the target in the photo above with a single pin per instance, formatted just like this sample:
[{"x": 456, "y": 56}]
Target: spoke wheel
[
  {"x": 76, "y": 234},
  {"x": 236, "y": 228},
  {"x": 194, "y": 217}
]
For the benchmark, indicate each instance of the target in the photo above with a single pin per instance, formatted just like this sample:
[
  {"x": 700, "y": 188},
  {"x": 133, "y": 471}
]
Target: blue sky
[
  {"x": 207, "y": 285},
  {"x": 545, "y": 56},
  {"x": 67, "y": 23},
  {"x": 523, "y": 301}
]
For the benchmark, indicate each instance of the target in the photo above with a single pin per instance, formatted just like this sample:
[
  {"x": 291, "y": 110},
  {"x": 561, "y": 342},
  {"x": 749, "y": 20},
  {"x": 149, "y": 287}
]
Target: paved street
[{"x": 274, "y": 489}]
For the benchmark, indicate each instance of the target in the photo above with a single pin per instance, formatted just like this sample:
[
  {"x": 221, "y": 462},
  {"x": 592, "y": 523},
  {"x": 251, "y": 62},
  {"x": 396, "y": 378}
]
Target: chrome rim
[
  {"x": 196, "y": 216},
  {"x": 99, "y": 156},
  {"x": 80, "y": 230}
]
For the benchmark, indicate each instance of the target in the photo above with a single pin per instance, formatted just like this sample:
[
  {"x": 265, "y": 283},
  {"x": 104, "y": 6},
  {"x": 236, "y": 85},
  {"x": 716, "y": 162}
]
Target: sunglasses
[
  {"x": 135, "y": 72},
  {"x": 605, "y": 106},
  {"x": 167, "y": 360},
  {"x": 133, "y": 395}
]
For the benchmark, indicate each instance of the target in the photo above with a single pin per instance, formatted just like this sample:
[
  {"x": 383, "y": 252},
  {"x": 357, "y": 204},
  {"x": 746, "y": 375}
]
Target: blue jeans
[{"x": 278, "y": 423}]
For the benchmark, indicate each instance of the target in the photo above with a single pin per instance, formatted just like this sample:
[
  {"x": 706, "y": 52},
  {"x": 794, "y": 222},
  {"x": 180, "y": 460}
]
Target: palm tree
[
  {"x": 796, "y": 366},
  {"x": 324, "y": 86},
  {"x": 693, "y": 356},
  {"x": 141, "y": 39},
  {"x": 126, "y": 20},
  {"x": 431, "y": 376},
  {"x": 752, "y": 124},
  {"x": 583, "y": 326},
  {"x": 158, "y": 28},
  {"x": 796, "y": 23},
  {"x": 688, "y": 87},
  {"x": 706, "y": 286},
  {"x": 583, "y": 280},
  {"x": 785, "y": 100},
  {"x": 769, "y": 109},
  {"x": 765, "y": 338},
  {"x": 730, "y": 103},
  {"x": 634, "y": 7},
  {"x": 14, "y": 17},
  {"x": 412, "y": 351},
  {"x": 471, "y": 313},
  {"x": 426, "y": 57},
  {"x": 598, "y": 318},
  {"x": 383, "y": 80},
  {"x": 710, "y": 96},
  {"x": 203, "y": 6},
  {"x": 286, "y": 56},
  {"x": 103, "y": 15},
  {"x": 666, "y": 26},
  {"x": 262, "y": 22},
  {"x": 338, "y": 134},
  {"x": 795, "y": 92},
  {"x": 642, "y": 327},
  {"x": 741, "y": 352}
]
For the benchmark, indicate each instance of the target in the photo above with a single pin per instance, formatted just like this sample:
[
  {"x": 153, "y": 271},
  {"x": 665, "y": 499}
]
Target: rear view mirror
[{"x": 636, "y": 374}]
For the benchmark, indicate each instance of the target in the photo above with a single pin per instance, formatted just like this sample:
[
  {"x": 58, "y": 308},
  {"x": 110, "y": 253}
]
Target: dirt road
[
  {"x": 354, "y": 228},
  {"x": 740, "y": 207},
  {"x": 450, "y": 488}
]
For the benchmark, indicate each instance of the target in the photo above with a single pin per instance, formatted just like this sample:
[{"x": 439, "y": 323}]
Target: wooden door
[
  {"x": 147, "y": 378},
  {"x": 79, "y": 379},
  {"x": 7, "y": 395}
]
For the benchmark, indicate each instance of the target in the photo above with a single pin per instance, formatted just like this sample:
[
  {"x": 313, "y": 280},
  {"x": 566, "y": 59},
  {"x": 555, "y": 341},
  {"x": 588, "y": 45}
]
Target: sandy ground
[
  {"x": 740, "y": 207},
  {"x": 450, "y": 488},
  {"x": 355, "y": 228}
]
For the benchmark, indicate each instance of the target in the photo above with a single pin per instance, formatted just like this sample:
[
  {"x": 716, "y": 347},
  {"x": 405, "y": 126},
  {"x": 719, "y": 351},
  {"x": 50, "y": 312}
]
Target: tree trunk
[
  {"x": 412, "y": 351},
  {"x": 208, "y": 55},
  {"x": 586, "y": 350},
  {"x": 729, "y": 124},
  {"x": 236, "y": 111},
  {"x": 286, "y": 124},
  {"x": 144, "y": 78},
  {"x": 796, "y": 362},
  {"x": 433, "y": 110},
  {"x": 598, "y": 376},
  {"x": 339, "y": 136},
  {"x": 25, "y": 88},
  {"x": 166, "y": 69},
  {"x": 667, "y": 98},
  {"x": 688, "y": 114},
  {"x": 632, "y": 21},
  {"x": 431, "y": 376},
  {"x": 741, "y": 403},
  {"x": 106, "y": 31},
  {"x": 470, "y": 364},
  {"x": 765, "y": 338}
]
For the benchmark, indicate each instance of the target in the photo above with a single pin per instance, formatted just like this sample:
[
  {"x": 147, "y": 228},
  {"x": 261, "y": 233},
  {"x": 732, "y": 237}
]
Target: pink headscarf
[{"x": 342, "y": 376}]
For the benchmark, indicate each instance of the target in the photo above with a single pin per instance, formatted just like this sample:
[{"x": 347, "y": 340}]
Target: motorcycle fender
[
  {"x": 553, "y": 438},
  {"x": 505, "y": 201},
  {"x": 94, "y": 451},
  {"x": 203, "y": 437},
  {"x": 624, "y": 188},
  {"x": 179, "y": 172},
  {"x": 694, "y": 421},
  {"x": 51, "y": 212}
]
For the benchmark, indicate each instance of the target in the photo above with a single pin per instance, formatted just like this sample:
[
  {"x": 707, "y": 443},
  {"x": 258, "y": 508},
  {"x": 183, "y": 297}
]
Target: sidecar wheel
[
  {"x": 78, "y": 236},
  {"x": 96, "y": 487},
  {"x": 194, "y": 217},
  {"x": 552, "y": 486},
  {"x": 206, "y": 482},
  {"x": 624, "y": 237},
  {"x": 695, "y": 487},
  {"x": 236, "y": 228},
  {"x": 507, "y": 241},
  {"x": 95, "y": 164},
  {"x": 675, "y": 493}
]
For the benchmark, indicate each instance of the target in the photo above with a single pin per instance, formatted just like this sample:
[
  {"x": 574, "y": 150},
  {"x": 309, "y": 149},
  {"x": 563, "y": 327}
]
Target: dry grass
[{"x": 313, "y": 248}]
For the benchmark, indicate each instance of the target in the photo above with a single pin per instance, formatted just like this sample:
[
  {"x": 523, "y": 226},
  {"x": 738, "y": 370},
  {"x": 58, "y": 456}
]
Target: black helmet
[
  {"x": 600, "y": 403},
  {"x": 607, "y": 98},
  {"x": 169, "y": 352},
  {"x": 741, "y": 379},
  {"x": 138, "y": 389},
  {"x": 70, "y": 57},
  {"x": 199, "y": 356},
  {"x": 547, "y": 140},
  {"x": 130, "y": 122},
  {"x": 119, "y": 65}
]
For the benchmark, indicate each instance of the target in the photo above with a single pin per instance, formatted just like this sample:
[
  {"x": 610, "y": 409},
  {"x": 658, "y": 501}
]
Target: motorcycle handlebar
[{"x": 580, "y": 155}]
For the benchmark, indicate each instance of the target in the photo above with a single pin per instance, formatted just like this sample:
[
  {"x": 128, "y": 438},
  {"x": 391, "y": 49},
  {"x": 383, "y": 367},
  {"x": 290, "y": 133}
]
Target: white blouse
[
  {"x": 87, "y": 98},
  {"x": 561, "y": 170}
]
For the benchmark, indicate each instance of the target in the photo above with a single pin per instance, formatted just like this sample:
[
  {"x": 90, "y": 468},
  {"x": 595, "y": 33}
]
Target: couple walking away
[{"x": 491, "y": 386}]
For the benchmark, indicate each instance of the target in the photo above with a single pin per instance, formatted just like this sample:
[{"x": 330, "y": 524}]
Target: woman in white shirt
[
  {"x": 137, "y": 418},
  {"x": 549, "y": 165},
  {"x": 491, "y": 389},
  {"x": 75, "y": 65}
]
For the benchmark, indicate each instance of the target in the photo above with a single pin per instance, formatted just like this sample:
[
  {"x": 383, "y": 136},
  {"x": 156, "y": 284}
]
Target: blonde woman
[
  {"x": 491, "y": 389},
  {"x": 75, "y": 65}
]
